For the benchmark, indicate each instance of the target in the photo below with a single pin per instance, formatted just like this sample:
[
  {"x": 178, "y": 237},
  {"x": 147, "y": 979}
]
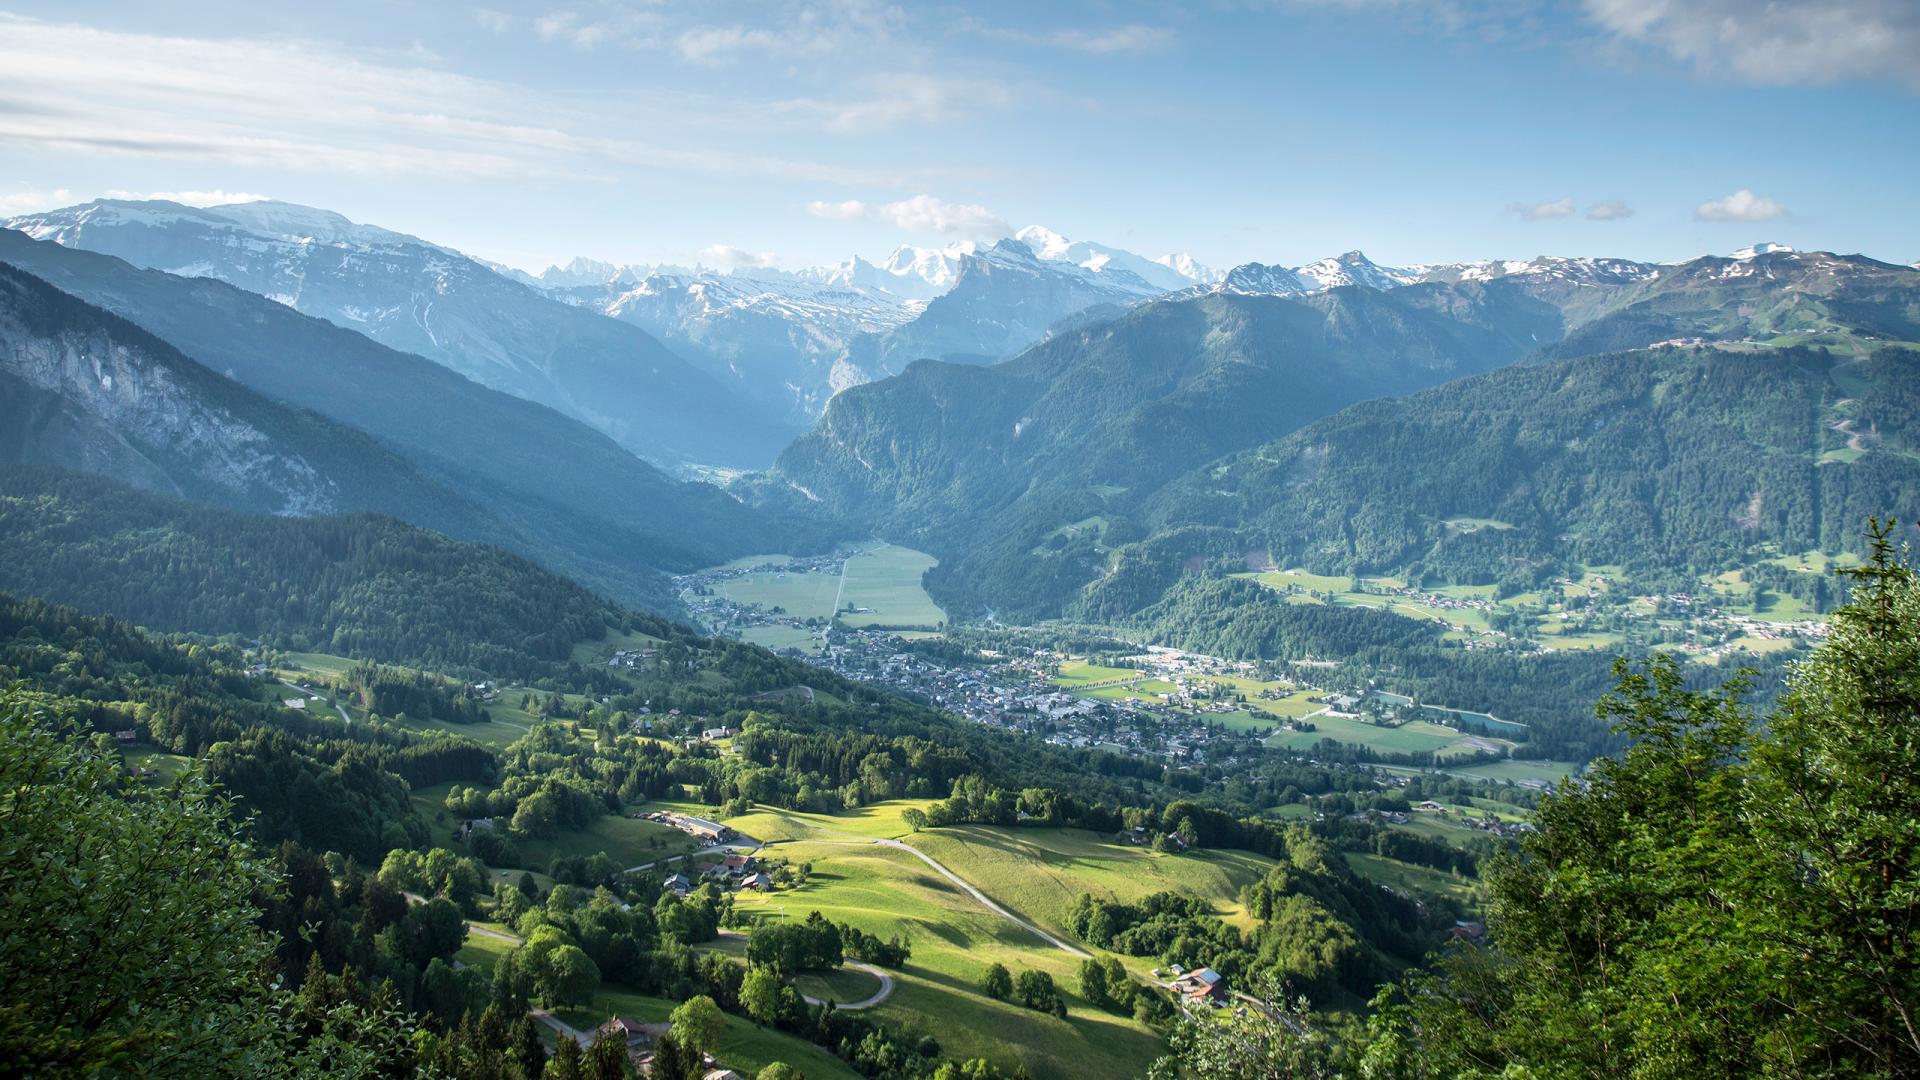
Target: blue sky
[{"x": 795, "y": 133}]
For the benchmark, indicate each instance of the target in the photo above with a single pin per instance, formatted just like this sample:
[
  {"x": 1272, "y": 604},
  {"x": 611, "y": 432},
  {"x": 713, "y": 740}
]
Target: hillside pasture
[
  {"x": 1039, "y": 873},
  {"x": 954, "y": 938}
]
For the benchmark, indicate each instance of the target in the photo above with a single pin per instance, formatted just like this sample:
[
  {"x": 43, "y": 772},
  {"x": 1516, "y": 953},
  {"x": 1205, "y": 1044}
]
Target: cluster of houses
[
  {"x": 1484, "y": 822},
  {"x": 631, "y": 658},
  {"x": 739, "y": 871}
]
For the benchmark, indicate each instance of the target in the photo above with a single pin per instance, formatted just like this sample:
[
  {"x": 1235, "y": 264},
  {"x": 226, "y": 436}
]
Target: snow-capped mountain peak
[
  {"x": 1760, "y": 249},
  {"x": 1156, "y": 275},
  {"x": 1354, "y": 268},
  {"x": 1184, "y": 264},
  {"x": 1259, "y": 279}
]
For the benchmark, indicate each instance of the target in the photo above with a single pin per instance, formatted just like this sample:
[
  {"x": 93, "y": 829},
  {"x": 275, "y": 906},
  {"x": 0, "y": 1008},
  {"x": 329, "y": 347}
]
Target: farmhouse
[
  {"x": 701, "y": 828},
  {"x": 677, "y": 884},
  {"x": 631, "y": 1031},
  {"x": 1201, "y": 986}
]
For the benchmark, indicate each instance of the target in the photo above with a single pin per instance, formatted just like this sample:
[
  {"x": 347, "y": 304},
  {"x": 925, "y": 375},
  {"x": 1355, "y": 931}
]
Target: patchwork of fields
[{"x": 782, "y": 603}]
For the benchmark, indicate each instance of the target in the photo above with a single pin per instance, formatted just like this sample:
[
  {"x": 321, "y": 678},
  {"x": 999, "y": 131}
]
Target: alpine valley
[{"x": 1016, "y": 658}]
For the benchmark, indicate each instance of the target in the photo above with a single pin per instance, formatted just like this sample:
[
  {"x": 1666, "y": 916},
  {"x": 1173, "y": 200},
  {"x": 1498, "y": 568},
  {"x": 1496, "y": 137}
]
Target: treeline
[
  {"x": 388, "y": 691},
  {"x": 325, "y": 784},
  {"x": 1320, "y": 928},
  {"x": 354, "y": 585}
]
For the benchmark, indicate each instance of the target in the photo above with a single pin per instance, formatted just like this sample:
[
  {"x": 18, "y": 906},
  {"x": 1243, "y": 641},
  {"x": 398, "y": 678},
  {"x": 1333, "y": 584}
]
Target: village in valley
[{"x": 1150, "y": 701}]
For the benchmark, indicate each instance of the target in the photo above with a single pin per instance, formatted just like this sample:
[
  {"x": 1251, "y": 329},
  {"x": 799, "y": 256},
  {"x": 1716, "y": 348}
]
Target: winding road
[
  {"x": 584, "y": 1038},
  {"x": 886, "y": 988}
]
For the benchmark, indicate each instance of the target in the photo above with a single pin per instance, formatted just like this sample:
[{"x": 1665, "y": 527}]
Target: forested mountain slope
[
  {"x": 355, "y": 584},
  {"x": 983, "y": 465},
  {"x": 89, "y": 390},
  {"x": 581, "y": 503},
  {"x": 1662, "y": 461}
]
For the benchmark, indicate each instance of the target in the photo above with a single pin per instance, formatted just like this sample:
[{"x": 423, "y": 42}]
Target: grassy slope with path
[
  {"x": 954, "y": 938},
  {"x": 1038, "y": 873}
]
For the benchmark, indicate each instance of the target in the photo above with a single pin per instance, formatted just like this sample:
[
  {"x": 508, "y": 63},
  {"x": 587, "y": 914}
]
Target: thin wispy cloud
[
  {"x": 922, "y": 213},
  {"x": 734, "y": 258},
  {"x": 891, "y": 100},
  {"x": 1742, "y": 205},
  {"x": 1776, "y": 43},
  {"x": 790, "y": 31},
  {"x": 288, "y": 105},
  {"x": 1130, "y": 38},
  {"x": 1541, "y": 211},
  {"x": 1610, "y": 210}
]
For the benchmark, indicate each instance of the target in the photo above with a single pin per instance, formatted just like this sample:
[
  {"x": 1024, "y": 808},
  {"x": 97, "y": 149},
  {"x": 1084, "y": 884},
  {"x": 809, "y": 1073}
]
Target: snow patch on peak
[
  {"x": 1152, "y": 275},
  {"x": 291, "y": 221},
  {"x": 1354, "y": 268},
  {"x": 1184, "y": 264},
  {"x": 1760, "y": 249}
]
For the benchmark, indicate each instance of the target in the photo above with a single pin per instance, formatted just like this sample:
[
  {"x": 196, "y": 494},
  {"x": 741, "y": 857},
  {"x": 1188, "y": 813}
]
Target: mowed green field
[
  {"x": 879, "y": 821},
  {"x": 165, "y": 766},
  {"x": 954, "y": 938},
  {"x": 631, "y": 842},
  {"x": 1040, "y": 873},
  {"x": 803, "y": 596},
  {"x": 1550, "y": 771},
  {"x": 1077, "y": 673},
  {"x": 592, "y": 653},
  {"x": 886, "y": 582},
  {"x": 1408, "y": 877},
  {"x": 884, "y": 579},
  {"x": 782, "y": 637},
  {"x": 1413, "y": 737}
]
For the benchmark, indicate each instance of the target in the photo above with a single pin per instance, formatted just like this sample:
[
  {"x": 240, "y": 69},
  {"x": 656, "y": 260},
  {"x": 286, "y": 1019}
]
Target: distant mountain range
[
  {"x": 405, "y": 436},
  {"x": 794, "y": 339},
  {"x": 1069, "y": 425},
  {"x": 429, "y": 300},
  {"x": 1226, "y": 422}
]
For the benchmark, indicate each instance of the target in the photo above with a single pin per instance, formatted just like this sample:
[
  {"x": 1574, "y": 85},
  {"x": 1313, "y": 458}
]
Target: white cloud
[
  {"x": 871, "y": 28},
  {"x": 1742, "y": 205},
  {"x": 288, "y": 105},
  {"x": 190, "y": 198},
  {"x": 890, "y": 100},
  {"x": 1610, "y": 210},
  {"x": 1131, "y": 38},
  {"x": 1777, "y": 42},
  {"x": 922, "y": 213},
  {"x": 33, "y": 201},
  {"x": 718, "y": 44},
  {"x": 494, "y": 22},
  {"x": 738, "y": 258},
  {"x": 628, "y": 29},
  {"x": 1541, "y": 211}
]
